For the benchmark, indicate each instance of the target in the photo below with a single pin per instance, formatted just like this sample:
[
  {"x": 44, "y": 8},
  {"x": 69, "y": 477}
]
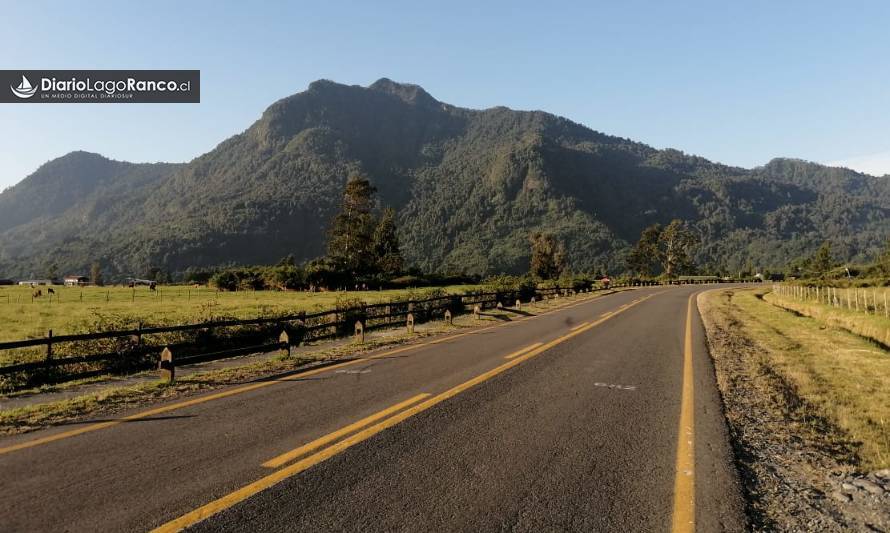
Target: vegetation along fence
[{"x": 60, "y": 358}]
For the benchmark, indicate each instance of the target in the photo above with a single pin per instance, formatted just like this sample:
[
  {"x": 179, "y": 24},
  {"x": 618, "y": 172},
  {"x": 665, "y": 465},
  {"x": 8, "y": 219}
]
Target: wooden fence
[
  {"x": 134, "y": 349},
  {"x": 866, "y": 300}
]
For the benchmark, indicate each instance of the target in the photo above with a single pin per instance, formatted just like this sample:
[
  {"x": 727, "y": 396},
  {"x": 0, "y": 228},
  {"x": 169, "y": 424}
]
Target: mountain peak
[{"x": 408, "y": 92}]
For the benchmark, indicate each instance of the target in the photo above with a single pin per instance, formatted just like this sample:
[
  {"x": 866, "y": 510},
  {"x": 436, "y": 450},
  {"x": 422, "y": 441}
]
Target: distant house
[{"x": 76, "y": 281}]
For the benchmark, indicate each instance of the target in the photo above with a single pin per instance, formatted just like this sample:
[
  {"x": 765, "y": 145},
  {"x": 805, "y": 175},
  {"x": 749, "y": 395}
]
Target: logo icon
[{"x": 24, "y": 90}]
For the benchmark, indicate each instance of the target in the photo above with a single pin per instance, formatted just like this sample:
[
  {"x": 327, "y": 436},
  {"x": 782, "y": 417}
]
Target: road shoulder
[{"x": 798, "y": 467}]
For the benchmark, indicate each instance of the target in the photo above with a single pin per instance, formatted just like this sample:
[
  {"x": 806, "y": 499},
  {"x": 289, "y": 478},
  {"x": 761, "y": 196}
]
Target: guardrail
[{"x": 137, "y": 354}]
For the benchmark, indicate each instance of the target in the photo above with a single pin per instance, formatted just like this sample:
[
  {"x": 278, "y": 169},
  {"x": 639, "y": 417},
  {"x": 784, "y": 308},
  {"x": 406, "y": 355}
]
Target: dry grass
[
  {"x": 874, "y": 326},
  {"x": 839, "y": 375}
]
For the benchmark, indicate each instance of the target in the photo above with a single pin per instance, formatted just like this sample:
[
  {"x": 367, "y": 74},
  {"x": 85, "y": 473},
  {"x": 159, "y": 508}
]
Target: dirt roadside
[{"x": 799, "y": 471}]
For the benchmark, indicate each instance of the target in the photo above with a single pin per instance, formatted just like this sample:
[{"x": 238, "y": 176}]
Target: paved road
[{"x": 568, "y": 421}]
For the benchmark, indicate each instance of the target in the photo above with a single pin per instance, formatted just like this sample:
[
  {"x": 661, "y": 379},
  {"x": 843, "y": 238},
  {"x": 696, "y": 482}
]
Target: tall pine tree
[
  {"x": 548, "y": 256},
  {"x": 350, "y": 239}
]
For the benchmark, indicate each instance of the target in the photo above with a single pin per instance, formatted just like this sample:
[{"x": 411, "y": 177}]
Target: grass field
[
  {"x": 78, "y": 310},
  {"x": 840, "y": 376}
]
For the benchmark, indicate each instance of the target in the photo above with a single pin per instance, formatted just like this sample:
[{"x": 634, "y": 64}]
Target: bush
[{"x": 225, "y": 281}]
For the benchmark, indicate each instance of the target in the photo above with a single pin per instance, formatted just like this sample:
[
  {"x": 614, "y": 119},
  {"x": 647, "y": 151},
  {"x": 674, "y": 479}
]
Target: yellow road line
[
  {"x": 684, "y": 482},
  {"x": 274, "y": 478},
  {"x": 579, "y": 326},
  {"x": 247, "y": 388},
  {"x": 331, "y": 437},
  {"x": 521, "y": 351}
]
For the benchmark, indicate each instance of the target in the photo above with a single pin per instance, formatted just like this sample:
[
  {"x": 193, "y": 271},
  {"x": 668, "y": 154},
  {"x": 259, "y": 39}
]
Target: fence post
[
  {"x": 166, "y": 367},
  {"x": 448, "y": 320},
  {"x": 49, "y": 346},
  {"x": 138, "y": 337},
  {"x": 359, "y": 332},
  {"x": 409, "y": 322}
]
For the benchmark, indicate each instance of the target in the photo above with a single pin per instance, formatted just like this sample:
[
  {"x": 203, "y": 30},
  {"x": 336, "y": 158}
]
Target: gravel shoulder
[{"x": 801, "y": 471}]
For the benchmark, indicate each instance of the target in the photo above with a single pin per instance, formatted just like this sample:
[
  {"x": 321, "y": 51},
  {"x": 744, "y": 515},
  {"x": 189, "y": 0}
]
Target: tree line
[{"x": 363, "y": 252}]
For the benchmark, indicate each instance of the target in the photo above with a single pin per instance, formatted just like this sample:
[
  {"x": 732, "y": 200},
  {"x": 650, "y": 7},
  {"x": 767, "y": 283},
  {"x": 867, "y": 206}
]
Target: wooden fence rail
[{"x": 305, "y": 326}]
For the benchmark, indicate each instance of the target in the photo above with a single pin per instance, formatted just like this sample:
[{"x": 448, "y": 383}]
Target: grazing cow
[
  {"x": 50, "y": 291},
  {"x": 37, "y": 294},
  {"x": 153, "y": 286}
]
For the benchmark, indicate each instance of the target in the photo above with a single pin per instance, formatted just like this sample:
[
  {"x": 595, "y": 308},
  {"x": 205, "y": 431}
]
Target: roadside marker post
[
  {"x": 448, "y": 319},
  {"x": 476, "y": 312},
  {"x": 359, "y": 332},
  {"x": 518, "y": 305},
  {"x": 166, "y": 367},
  {"x": 284, "y": 340},
  {"x": 410, "y": 323}
]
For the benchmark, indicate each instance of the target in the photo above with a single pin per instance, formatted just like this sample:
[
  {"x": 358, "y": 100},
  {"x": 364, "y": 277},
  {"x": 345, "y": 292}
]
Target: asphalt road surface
[{"x": 601, "y": 416}]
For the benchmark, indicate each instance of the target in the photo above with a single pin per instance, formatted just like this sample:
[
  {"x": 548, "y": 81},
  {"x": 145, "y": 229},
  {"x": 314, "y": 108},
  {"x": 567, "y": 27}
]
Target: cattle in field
[
  {"x": 50, "y": 291},
  {"x": 37, "y": 294}
]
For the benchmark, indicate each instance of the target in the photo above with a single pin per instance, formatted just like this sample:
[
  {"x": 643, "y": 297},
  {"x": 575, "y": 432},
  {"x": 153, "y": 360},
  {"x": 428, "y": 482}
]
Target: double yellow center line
[{"x": 274, "y": 478}]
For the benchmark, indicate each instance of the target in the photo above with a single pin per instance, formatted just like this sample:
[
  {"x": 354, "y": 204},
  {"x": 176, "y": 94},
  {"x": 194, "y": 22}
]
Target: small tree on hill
[
  {"x": 351, "y": 234},
  {"x": 884, "y": 259},
  {"x": 822, "y": 261},
  {"x": 548, "y": 256}
]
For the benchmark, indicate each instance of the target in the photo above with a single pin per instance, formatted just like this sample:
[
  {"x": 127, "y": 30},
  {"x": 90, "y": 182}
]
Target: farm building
[
  {"x": 31, "y": 282},
  {"x": 76, "y": 281}
]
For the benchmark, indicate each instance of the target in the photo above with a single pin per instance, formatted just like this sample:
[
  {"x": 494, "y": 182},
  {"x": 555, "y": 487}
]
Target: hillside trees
[
  {"x": 385, "y": 245},
  {"x": 644, "y": 258},
  {"x": 821, "y": 263}
]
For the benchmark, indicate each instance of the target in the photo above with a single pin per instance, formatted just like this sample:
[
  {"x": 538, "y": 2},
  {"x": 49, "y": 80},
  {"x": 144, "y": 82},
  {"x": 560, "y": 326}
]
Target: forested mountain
[{"x": 469, "y": 187}]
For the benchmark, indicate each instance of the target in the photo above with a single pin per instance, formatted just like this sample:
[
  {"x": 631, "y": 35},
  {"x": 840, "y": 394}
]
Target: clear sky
[{"x": 736, "y": 82}]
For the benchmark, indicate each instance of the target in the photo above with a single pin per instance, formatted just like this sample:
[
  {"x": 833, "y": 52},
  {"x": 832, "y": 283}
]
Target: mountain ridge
[{"x": 469, "y": 186}]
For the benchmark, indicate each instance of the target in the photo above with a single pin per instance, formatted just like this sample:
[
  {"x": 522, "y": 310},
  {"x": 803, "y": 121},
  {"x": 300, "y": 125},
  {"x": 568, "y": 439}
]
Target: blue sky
[{"x": 736, "y": 82}]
